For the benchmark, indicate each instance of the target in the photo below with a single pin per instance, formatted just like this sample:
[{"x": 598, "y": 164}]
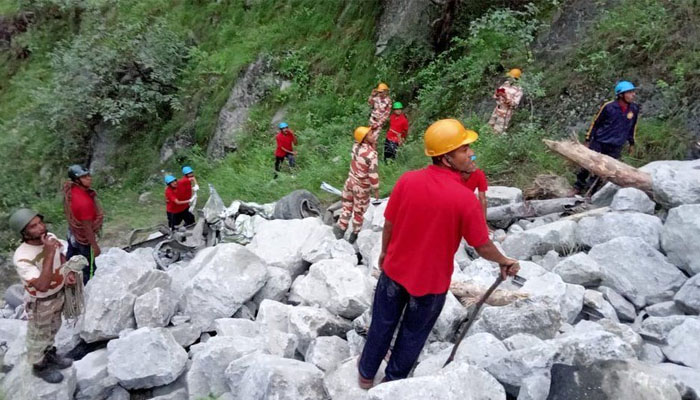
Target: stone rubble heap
[{"x": 284, "y": 316}]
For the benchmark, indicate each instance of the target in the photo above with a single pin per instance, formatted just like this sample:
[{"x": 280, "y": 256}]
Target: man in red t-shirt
[
  {"x": 429, "y": 212},
  {"x": 187, "y": 187},
  {"x": 398, "y": 130},
  {"x": 176, "y": 210},
  {"x": 474, "y": 178},
  {"x": 285, "y": 147}
]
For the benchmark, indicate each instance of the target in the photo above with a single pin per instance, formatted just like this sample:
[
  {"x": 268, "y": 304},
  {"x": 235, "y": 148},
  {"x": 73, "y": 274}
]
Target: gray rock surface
[
  {"x": 274, "y": 342},
  {"x": 567, "y": 298},
  {"x": 539, "y": 319},
  {"x": 680, "y": 236},
  {"x": 688, "y": 297},
  {"x": 21, "y": 384},
  {"x": 596, "y": 230},
  {"x": 479, "y": 350},
  {"x": 624, "y": 309},
  {"x": 398, "y": 16},
  {"x": 676, "y": 186},
  {"x": 119, "y": 393},
  {"x": 145, "y": 358},
  {"x": 559, "y": 236},
  {"x": 502, "y": 195},
  {"x": 279, "y": 280},
  {"x": 154, "y": 308},
  {"x": 341, "y": 382},
  {"x": 631, "y": 199},
  {"x": 324, "y": 246},
  {"x": 664, "y": 309},
  {"x": 521, "y": 341},
  {"x": 579, "y": 269},
  {"x": 452, "y": 315},
  {"x": 514, "y": 367},
  {"x": 651, "y": 354},
  {"x": 681, "y": 348},
  {"x": 369, "y": 245},
  {"x": 535, "y": 387},
  {"x": 93, "y": 379},
  {"x": 688, "y": 377},
  {"x": 581, "y": 348},
  {"x": 658, "y": 328},
  {"x": 327, "y": 352},
  {"x": 596, "y": 301}
]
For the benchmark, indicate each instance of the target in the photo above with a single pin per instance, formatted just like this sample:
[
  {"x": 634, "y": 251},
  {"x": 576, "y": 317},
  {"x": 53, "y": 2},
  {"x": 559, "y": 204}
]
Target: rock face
[
  {"x": 502, "y": 195},
  {"x": 261, "y": 376},
  {"x": 681, "y": 348},
  {"x": 154, "y": 308},
  {"x": 341, "y": 382},
  {"x": 512, "y": 368},
  {"x": 631, "y": 199},
  {"x": 680, "y": 236},
  {"x": 579, "y": 269},
  {"x": 398, "y": 16},
  {"x": 688, "y": 298},
  {"x": 636, "y": 270},
  {"x": 336, "y": 285},
  {"x": 227, "y": 278},
  {"x": 557, "y": 236},
  {"x": 596, "y": 230},
  {"x": 93, "y": 379},
  {"x": 145, "y": 358},
  {"x": 676, "y": 186},
  {"x": 539, "y": 319}
]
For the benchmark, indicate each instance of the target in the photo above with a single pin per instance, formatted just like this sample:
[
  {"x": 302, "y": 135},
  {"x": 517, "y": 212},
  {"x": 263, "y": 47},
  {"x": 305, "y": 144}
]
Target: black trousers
[
  {"x": 584, "y": 179},
  {"x": 85, "y": 250},
  {"x": 174, "y": 219},
  {"x": 390, "y": 149}
]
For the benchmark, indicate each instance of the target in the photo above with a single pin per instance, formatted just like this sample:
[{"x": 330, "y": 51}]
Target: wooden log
[
  {"x": 605, "y": 167},
  {"x": 529, "y": 209}
]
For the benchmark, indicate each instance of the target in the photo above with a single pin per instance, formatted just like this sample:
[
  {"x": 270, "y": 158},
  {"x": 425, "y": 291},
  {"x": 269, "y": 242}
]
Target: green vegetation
[{"x": 141, "y": 70}]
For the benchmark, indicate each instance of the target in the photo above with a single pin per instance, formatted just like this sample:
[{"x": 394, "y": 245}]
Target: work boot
[
  {"x": 352, "y": 238},
  {"x": 338, "y": 232},
  {"x": 47, "y": 372},
  {"x": 60, "y": 362}
]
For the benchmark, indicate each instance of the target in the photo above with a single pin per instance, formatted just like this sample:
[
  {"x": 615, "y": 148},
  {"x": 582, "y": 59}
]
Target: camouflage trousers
[
  {"x": 44, "y": 322},
  {"x": 500, "y": 119},
  {"x": 355, "y": 199}
]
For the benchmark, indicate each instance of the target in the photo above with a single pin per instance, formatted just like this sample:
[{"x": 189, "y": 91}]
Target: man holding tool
[{"x": 429, "y": 212}]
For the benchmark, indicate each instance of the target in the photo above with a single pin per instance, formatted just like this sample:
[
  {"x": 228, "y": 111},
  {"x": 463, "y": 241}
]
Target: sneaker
[
  {"x": 339, "y": 233},
  {"x": 47, "y": 372},
  {"x": 60, "y": 362}
]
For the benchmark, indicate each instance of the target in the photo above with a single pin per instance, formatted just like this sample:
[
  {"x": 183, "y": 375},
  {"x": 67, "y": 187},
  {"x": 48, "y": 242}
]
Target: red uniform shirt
[
  {"x": 477, "y": 180},
  {"x": 398, "y": 128},
  {"x": 170, "y": 205},
  {"x": 82, "y": 204},
  {"x": 286, "y": 141},
  {"x": 184, "y": 188},
  {"x": 430, "y": 216}
]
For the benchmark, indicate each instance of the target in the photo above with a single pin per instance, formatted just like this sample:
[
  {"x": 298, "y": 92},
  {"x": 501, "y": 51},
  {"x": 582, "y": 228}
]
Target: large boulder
[
  {"x": 624, "y": 309},
  {"x": 279, "y": 242},
  {"x": 579, "y": 269},
  {"x": 336, "y": 285},
  {"x": 227, "y": 278},
  {"x": 666, "y": 308},
  {"x": 523, "y": 316},
  {"x": 341, "y": 382},
  {"x": 502, "y": 195},
  {"x": 559, "y": 236},
  {"x": 624, "y": 332},
  {"x": 688, "y": 377},
  {"x": 277, "y": 343},
  {"x": 657, "y": 329},
  {"x": 632, "y": 199},
  {"x": 451, "y": 317},
  {"x": 279, "y": 280},
  {"x": 610, "y": 380},
  {"x": 261, "y": 376},
  {"x": 21, "y": 384},
  {"x": 680, "y": 237},
  {"x": 676, "y": 186},
  {"x": 479, "y": 350},
  {"x": 324, "y": 246},
  {"x": 13, "y": 333},
  {"x": 550, "y": 287},
  {"x": 93, "y": 378},
  {"x": 636, "y": 270},
  {"x": 145, "y": 358},
  {"x": 688, "y": 297},
  {"x": 584, "y": 347},
  {"x": 682, "y": 348},
  {"x": 458, "y": 381},
  {"x": 596, "y": 301},
  {"x": 154, "y": 308},
  {"x": 596, "y": 230},
  {"x": 369, "y": 245},
  {"x": 512, "y": 368},
  {"x": 326, "y": 352}
]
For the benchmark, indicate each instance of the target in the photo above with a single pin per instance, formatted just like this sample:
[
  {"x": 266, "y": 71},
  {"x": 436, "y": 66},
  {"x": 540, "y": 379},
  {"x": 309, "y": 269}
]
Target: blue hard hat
[
  {"x": 283, "y": 125},
  {"x": 169, "y": 179},
  {"x": 623, "y": 86},
  {"x": 187, "y": 170}
]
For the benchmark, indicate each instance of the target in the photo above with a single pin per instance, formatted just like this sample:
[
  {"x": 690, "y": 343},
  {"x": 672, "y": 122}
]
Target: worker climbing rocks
[
  {"x": 176, "y": 210},
  {"x": 398, "y": 130},
  {"x": 474, "y": 178},
  {"x": 84, "y": 216},
  {"x": 38, "y": 261},
  {"x": 429, "y": 212},
  {"x": 285, "y": 147},
  {"x": 507, "y": 97},
  {"x": 615, "y": 124},
  {"x": 380, "y": 102},
  {"x": 187, "y": 187},
  {"x": 362, "y": 178}
]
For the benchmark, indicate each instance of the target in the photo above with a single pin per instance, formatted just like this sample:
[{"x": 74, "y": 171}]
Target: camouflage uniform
[
  {"x": 381, "y": 110},
  {"x": 505, "y": 106},
  {"x": 362, "y": 178}
]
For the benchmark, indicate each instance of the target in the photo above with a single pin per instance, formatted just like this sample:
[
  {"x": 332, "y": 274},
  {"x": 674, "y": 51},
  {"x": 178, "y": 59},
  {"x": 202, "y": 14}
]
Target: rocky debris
[
  {"x": 651, "y": 354},
  {"x": 226, "y": 278},
  {"x": 154, "y": 308},
  {"x": 502, "y": 195},
  {"x": 596, "y": 301},
  {"x": 524, "y": 316},
  {"x": 145, "y": 358},
  {"x": 458, "y": 381},
  {"x": 478, "y": 350},
  {"x": 341, "y": 382},
  {"x": 587, "y": 346},
  {"x": 681, "y": 348},
  {"x": 631, "y": 199},
  {"x": 451, "y": 317},
  {"x": 676, "y": 186},
  {"x": 336, "y": 285},
  {"x": 610, "y": 379},
  {"x": 535, "y": 387},
  {"x": 596, "y": 230},
  {"x": 93, "y": 378},
  {"x": 624, "y": 332},
  {"x": 557, "y": 236},
  {"x": 260, "y": 376},
  {"x": 689, "y": 378},
  {"x": 521, "y": 341},
  {"x": 326, "y": 352},
  {"x": 567, "y": 298},
  {"x": 624, "y": 309},
  {"x": 680, "y": 236},
  {"x": 579, "y": 269},
  {"x": 273, "y": 342},
  {"x": 658, "y": 328},
  {"x": 636, "y": 270},
  {"x": 13, "y": 333},
  {"x": 512, "y": 368},
  {"x": 688, "y": 297},
  {"x": 20, "y": 383}
]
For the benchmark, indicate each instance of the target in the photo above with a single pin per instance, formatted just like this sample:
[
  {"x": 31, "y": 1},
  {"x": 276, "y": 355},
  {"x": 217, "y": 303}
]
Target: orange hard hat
[
  {"x": 360, "y": 133},
  {"x": 382, "y": 87},
  {"x": 446, "y": 135},
  {"x": 515, "y": 73}
]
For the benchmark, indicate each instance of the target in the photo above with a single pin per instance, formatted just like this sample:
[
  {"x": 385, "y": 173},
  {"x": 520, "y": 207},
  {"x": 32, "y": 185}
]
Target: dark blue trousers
[
  {"x": 583, "y": 177},
  {"x": 391, "y": 300}
]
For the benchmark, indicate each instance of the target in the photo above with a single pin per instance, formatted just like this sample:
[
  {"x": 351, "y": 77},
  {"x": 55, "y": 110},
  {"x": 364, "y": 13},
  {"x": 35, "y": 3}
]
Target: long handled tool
[{"x": 516, "y": 279}]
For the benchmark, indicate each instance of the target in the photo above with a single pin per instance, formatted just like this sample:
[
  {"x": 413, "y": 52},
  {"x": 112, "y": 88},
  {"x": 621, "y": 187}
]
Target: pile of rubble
[{"x": 284, "y": 316}]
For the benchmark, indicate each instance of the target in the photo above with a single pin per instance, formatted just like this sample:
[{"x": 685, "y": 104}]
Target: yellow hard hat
[
  {"x": 515, "y": 73},
  {"x": 446, "y": 135},
  {"x": 360, "y": 133},
  {"x": 382, "y": 87}
]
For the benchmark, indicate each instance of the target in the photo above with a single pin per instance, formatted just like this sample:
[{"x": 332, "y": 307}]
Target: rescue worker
[
  {"x": 429, "y": 212},
  {"x": 380, "y": 102},
  {"x": 398, "y": 130},
  {"x": 615, "y": 124},
  {"x": 508, "y": 98},
  {"x": 84, "y": 216},
  {"x": 176, "y": 210},
  {"x": 362, "y": 178},
  {"x": 38, "y": 261},
  {"x": 285, "y": 147},
  {"x": 474, "y": 178},
  {"x": 187, "y": 186}
]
